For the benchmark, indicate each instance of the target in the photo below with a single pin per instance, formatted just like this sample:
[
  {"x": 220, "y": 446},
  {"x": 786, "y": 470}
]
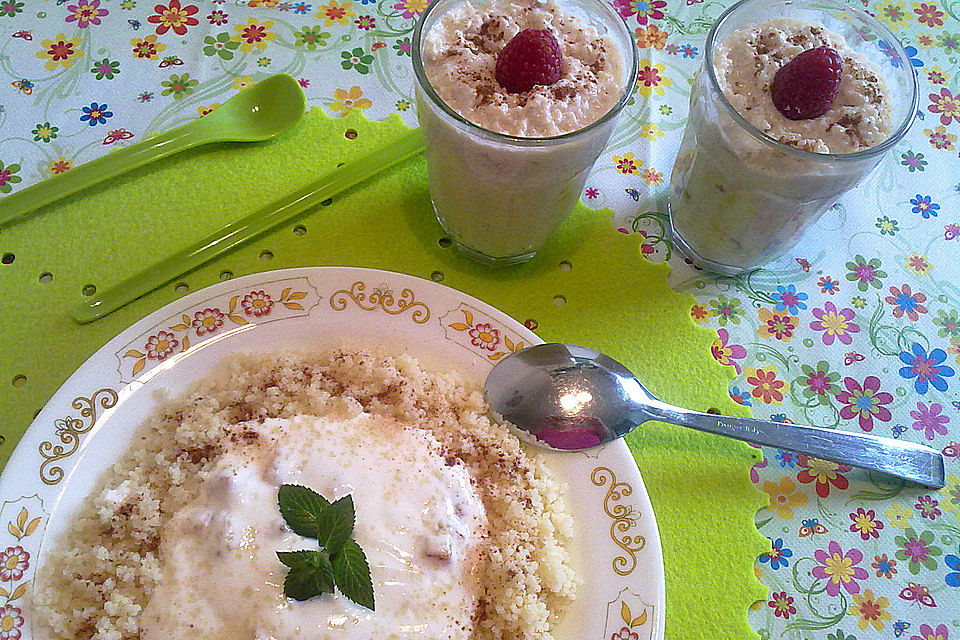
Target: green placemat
[{"x": 603, "y": 295}]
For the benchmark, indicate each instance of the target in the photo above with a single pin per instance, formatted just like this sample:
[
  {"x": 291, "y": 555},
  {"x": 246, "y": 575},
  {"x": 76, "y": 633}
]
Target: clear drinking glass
[
  {"x": 738, "y": 197},
  {"x": 500, "y": 197}
]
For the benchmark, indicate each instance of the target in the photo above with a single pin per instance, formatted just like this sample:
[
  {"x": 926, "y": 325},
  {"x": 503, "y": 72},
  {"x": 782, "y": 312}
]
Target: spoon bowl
[
  {"x": 263, "y": 111},
  {"x": 267, "y": 109},
  {"x": 567, "y": 397}
]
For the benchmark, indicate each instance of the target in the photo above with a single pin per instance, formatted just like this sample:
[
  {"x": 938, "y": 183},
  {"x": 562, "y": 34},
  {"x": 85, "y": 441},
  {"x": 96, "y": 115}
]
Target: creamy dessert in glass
[
  {"x": 786, "y": 115},
  {"x": 516, "y": 100}
]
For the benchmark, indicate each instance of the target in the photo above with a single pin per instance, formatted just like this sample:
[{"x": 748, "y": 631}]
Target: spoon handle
[
  {"x": 20, "y": 203},
  {"x": 894, "y": 457},
  {"x": 236, "y": 233}
]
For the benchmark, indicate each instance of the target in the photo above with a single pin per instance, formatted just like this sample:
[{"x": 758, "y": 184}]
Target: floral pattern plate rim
[{"x": 90, "y": 419}]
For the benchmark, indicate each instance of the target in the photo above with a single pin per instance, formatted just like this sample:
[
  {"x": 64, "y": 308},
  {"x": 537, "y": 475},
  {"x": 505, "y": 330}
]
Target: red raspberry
[
  {"x": 532, "y": 57},
  {"x": 805, "y": 87}
]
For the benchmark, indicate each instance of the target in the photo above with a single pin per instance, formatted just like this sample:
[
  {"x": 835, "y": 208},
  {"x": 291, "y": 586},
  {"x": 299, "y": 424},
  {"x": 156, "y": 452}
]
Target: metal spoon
[
  {"x": 258, "y": 113},
  {"x": 566, "y": 397}
]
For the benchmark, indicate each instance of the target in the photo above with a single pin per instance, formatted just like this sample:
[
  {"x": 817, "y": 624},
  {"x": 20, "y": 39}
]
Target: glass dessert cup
[
  {"x": 738, "y": 197},
  {"x": 500, "y": 197}
]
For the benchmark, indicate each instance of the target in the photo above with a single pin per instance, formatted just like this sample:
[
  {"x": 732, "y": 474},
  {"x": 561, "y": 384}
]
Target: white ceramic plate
[{"x": 90, "y": 420}]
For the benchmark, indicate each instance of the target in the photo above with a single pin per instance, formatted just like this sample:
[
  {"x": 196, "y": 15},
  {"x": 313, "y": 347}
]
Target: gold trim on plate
[
  {"x": 624, "y": 518},
  {"x": 381, "y": 297},
  {"x": 69, "y": 430}
]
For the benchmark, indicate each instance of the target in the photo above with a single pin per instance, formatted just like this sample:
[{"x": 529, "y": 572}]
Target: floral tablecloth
[{"x": 858, "y": 328}]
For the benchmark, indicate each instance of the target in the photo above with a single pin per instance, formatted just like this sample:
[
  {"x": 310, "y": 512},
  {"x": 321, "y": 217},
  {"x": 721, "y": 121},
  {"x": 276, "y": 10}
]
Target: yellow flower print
[
  {"x": 871, "y": 609},
  {"x": 60, "y": 165},
  {"x": 777, "y": 324},
  {"x": 940, "y": 138},
  {"x": 784, "y": 497},
  {"x": 936, "y": 75},
  {"x": 954, "y": 348},
  {"x": 205, "y": 110},
  {"x": 60, "y": 52},
  {"x": 651, "y": 131},
  {"x": 253, "y": 33},
  {"x": 893, "y": 13},
  {"x": 147, "y": 48},
  {"x": 951, "y": 495},
  {"x": 919, "y": 264},
  {"x": 627, "y": 164},
  {"x": 344, "y": 101},
  {"x": 898, "y": 516},
  {"x": 652, "y": 177},
  {"x": 650, "y": 79},
  {"x": 335, "y": 12},
  {"x": 242, "y": 82},
  {"x": 700, "y": 315},
  {"x": 651, "y": 37}
]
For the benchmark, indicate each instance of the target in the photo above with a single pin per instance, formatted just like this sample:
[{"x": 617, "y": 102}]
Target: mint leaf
[
  {"x": 311, "y": 574},
  {"x": 335, "y": 524},
  {"x": 295, "y": 559},
  {"x": 352, "y": 574},
  {"x": 300, "y": 507}
]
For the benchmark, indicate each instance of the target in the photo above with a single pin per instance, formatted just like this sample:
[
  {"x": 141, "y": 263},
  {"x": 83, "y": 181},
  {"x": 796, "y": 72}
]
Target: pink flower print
[
  {"x": 257, "y": 304},
  {"x": 930, "y": 420},
  {"x": 927, "y": 507},
  {"x": 929, "y": 633},
  {"x": 755, "y": 469},
  {"x": 836, "y": 325},
  {"x": 160, "y": 346},
  {"x": 11, "y": 619},
  {"x": 411, "y": 8},
  {"x": 207, "y": 321},
  {"x": 839, "y": 569},
  {"x": 865, "y": 523},
  {"x": 904, "y": 301},
  {"x": 625, "y": 634},
  {"x": 13, "y": 562},
  {"x": 485, "y": 337},
  {"x": 644, "y": 9},
  {"x": 645, "y": 248},
  {"x": 725, "y": 353},
  {"x": 864, "y": 402},
  {"x": 85, "y": 13}
]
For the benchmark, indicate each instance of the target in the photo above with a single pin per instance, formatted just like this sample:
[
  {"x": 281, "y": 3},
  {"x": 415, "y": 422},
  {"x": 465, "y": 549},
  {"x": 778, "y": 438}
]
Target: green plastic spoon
[
  {"x": 249, "y": 227},
  {"x": 261, "y": 112}
]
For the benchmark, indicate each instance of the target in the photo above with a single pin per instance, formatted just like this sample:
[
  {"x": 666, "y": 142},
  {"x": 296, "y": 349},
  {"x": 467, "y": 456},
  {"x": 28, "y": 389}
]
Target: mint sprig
[{"x": 340, "y": 561}]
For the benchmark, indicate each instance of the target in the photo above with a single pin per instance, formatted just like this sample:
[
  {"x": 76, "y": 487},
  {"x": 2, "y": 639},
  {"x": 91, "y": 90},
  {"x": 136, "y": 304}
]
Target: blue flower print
[
  {"x": 925, "y": 206},
  {"x": 912, "y": 54},
  {"x": 741, "y": 397},
  {"x": 788, "y": 298},
  {"x": 885, "y": 565},
  {"x": 95, "y": 114},
  {"x": 689, "y": 51},
  {"x": 777, "y": 556},
  {"x": 928, "y": 369},
  {"x": 787, "y": 458},
  {"x": 952, "y": 561},
  {"x": 302, "y": 8}
]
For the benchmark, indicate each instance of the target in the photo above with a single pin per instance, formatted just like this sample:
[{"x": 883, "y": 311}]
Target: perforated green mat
[{"x": 604, "y": 296}]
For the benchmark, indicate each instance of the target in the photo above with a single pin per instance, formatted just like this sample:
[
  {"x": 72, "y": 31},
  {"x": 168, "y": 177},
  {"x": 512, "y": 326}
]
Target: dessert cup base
[
  {"x": 694, "y": 257},
  {"x": 479, "y": 256},
  {"x": 483, "y": 258}
]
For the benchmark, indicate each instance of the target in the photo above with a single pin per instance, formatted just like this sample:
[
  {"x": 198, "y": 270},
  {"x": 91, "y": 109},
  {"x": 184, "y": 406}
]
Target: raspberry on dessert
[
  {"x": 532, "y": 57},
  {"x": 805, "y": 87}
]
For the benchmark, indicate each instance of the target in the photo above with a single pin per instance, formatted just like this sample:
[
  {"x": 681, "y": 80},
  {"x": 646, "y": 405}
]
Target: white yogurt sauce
[{"x": 419, "y": 521}]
